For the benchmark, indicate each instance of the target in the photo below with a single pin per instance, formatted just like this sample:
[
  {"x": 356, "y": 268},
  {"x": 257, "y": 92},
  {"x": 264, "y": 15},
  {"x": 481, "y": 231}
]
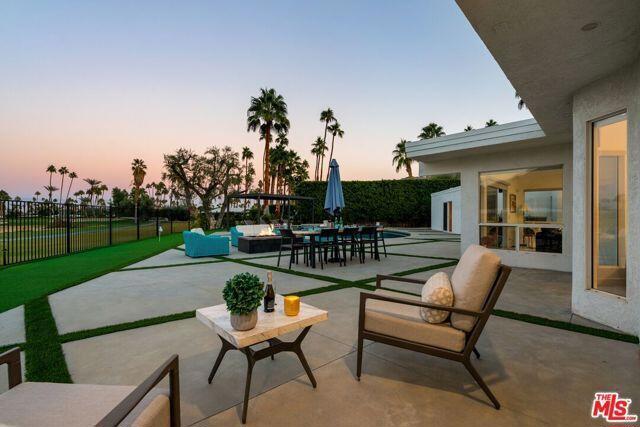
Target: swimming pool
[{"x": 392, "y": 234}]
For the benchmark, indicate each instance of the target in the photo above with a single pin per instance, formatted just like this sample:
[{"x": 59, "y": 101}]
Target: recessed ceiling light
[{"x": 590, "y": 26}]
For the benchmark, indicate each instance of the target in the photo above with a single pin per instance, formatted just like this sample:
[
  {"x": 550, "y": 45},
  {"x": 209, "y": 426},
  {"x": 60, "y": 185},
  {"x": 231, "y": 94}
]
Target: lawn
[{"x": 25, "y": 282}]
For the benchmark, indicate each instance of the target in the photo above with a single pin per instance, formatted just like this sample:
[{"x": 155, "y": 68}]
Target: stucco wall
[
  {"x": 620, "y": 91},
  {"x": 437, "y": 199},
  {"x": 470, "y": 167}
]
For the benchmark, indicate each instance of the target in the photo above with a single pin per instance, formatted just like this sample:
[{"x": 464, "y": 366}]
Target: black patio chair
[
  {"x": 349, "y": 238},
  {"x": 380, "y": 235},
  {"x": 293, "y": 244},
  {"x": 328, "y": 239},
  {"x": 369, "y": 236}
]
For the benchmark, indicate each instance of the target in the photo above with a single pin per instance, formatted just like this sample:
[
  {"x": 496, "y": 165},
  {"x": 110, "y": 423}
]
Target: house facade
[
  {"x": 560, "y": 191},
  {"x": 445, "y": 210}
]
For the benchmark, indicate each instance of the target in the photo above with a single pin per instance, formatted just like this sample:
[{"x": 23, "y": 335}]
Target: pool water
[{"x": 387, "y": 234}]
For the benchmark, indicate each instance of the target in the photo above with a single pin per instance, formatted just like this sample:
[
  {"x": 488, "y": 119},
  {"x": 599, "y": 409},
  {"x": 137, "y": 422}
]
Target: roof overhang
[
  {"x": 509, "y": 136},
  {"x": 545, "y": 53}
]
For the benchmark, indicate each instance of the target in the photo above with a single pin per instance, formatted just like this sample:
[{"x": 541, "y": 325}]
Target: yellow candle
[{"x": 291, "y": 305}]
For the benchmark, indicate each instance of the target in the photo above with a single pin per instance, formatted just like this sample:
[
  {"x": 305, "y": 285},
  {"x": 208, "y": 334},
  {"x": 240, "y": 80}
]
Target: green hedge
[{"x": 403, "y": 202}]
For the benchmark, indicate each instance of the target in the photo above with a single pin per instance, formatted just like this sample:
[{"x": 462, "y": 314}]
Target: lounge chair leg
[
  {"x": 476, "y": 376},
  {"x": 476, "y": 352},
  {"x": 359, "y": 366}
]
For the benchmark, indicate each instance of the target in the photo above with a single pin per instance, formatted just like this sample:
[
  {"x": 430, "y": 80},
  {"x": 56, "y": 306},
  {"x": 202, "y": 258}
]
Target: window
[
  {"x": 521, "y": 209},
  {"x": 609, "y": 204}
]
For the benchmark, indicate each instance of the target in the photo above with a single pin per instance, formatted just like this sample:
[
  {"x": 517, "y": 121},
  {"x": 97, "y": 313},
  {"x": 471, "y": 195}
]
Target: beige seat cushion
[
  {"x": 438, "y": 291},
  {"x": 156, "y": 414},
  {"x": 198, "y": 231},
  {"x": 405, "y": 322},
  {"x": 471, "y": 281},
  {"x": 68, "y": 405}
]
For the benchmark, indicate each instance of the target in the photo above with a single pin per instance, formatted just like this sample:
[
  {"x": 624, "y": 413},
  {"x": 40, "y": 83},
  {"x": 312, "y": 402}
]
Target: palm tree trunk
[
  {"x": 61, "y": 188},
  {"x": 409, "y": 171},
  {"x": 333, "y": 138},
  {"x": 267, "y": 146},
  {"x": 69, "y": 189},
  {"x": 50, "y": 177}
]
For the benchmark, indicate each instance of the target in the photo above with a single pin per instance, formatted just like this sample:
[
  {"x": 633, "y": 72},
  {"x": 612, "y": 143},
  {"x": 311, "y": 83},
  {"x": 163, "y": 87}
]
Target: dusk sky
[{"x": 91, "y": 85}]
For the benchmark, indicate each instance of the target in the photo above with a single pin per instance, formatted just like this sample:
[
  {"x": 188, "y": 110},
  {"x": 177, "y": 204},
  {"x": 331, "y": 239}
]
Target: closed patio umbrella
[{"x": 334, "y": 200}]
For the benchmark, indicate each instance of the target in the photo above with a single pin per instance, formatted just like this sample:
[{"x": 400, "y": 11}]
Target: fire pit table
[{"x": 259, "y": 244}]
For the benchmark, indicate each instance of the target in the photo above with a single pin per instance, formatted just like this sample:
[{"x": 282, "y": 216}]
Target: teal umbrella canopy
[{"x": 334, "y": 200}]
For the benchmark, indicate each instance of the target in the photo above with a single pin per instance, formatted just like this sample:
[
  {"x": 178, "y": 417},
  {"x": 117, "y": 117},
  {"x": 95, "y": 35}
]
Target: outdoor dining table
[
  {"x": 313, "y": 233},
  {"x": 268, "y": 328}
]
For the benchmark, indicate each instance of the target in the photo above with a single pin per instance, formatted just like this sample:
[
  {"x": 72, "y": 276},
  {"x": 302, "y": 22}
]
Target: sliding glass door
[{"x": 609, "y": 212}]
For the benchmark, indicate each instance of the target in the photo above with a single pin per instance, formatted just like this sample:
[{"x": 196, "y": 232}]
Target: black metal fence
[{"x": 36, "y": 230}]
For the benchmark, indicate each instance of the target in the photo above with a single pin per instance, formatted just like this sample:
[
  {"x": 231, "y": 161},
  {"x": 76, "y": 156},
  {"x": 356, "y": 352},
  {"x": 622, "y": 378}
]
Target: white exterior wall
[
  {"x": 617, "y": 92},
  {"x": 470, "y": 167},
  {"x": 437, "y": 200}
]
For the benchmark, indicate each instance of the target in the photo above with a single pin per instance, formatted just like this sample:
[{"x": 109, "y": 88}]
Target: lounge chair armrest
[
  {"x": 381, "y": 277},
  {"x": 120, "y": 412},
  {"x": 367, "y": 295},
  {"x": 12, "y": 359}
]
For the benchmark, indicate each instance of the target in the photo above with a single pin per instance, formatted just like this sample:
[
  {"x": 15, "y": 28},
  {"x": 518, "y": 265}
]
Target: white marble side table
[{"x": 268, "y": 328}]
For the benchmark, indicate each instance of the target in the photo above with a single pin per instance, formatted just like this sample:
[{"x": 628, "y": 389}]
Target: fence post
[
  {"x": 110, "y": 225},
  {"x": 68, "y": 220}
]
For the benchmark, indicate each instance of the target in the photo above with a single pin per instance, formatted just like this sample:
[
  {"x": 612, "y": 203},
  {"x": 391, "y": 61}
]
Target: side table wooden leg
[
  {"x": 225, "y": 347},
  {"x": 247, "y": 386}
]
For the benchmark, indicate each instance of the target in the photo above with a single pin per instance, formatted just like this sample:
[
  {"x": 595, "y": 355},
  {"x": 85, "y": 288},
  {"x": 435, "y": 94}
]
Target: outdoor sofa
[
  {"x": 395, "y": 319},
  {"x": 248, "y": 231},
  {"x": 81, "y": 405},
  {"x": 197, "y": 244}
]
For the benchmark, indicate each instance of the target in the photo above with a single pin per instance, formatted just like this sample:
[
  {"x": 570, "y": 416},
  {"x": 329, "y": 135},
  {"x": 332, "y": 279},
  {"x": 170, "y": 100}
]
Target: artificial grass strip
[
  {"x": 29, "y": 281},
  {"x": 44, "y": 357},
  {"x": 427, "y": 268},
  {"x": 104, "y": 330},
  {"x": 184, "y": 264},
  {"x": 287, "y": 271},
  {"x": 567, "y": 326}
]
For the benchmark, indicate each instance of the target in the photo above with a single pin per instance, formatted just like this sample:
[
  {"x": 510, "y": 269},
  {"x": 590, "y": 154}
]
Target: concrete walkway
[{"x": 542, "y": 376}]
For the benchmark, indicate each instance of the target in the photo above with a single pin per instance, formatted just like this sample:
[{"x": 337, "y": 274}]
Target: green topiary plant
[{"x": 243, "y": 293}]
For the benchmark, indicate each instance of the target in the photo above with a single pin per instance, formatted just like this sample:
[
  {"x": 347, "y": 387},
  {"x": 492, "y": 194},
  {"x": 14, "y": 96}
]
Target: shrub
[
  {"x": 403, "y": 202},
  {"x": 243, "y": 293}
]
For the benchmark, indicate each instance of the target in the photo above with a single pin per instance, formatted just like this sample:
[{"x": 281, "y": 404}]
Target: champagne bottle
[{"x": 270, "y": 294}]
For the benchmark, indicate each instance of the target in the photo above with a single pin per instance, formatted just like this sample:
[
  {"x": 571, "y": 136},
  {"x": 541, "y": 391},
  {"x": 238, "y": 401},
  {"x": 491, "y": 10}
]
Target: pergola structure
[{"x": 286, "y": 199}]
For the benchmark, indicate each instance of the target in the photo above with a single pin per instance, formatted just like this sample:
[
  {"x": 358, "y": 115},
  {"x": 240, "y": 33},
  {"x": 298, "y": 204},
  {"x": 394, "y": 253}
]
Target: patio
[{"x": 531, "y": 368}]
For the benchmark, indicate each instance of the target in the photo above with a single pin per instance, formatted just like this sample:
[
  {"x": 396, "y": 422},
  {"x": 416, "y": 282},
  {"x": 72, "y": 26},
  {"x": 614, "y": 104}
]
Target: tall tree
[
  {"x": 139, "y": 171},
  {"x": 51, "y": 169},
  {"x": 94, "y": 188},
  {"x": 432, "y": 130},
  {"x": 247, "y": 155},
  {"x": 208, "y": 176},
  {"x": 317, "y": 151},
  {"x": 490, "y": 123},
  {"x": 36, "y": 196},
  {"x": 63, "y": 171},
  {"x": 400, "y": 158},
  {"x": 335, "y": 130},
  {"x": 266, "y": 113},
  {"x": 327, "y": 117},
  {"x": 72, "y": 176}
]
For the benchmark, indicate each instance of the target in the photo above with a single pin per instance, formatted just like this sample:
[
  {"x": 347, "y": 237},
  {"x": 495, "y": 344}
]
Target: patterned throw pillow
[{"x": 437, "y": 290}]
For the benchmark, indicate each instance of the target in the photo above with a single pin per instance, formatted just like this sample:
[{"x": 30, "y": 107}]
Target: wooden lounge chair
[
  {"x": 393, "y": 318},
  {"x": 52, "y": 405}
]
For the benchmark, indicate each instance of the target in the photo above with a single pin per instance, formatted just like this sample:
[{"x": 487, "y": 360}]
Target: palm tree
[
  {"x": 400, "y": 158},
  {"x": 521, "y": 103},
  {"x": 267, "y": 112},
  {"x": 50, "y": 189},
  {"x": 322, "y": 149},
  {"x": 316, "y": 150},
  {"x": 490, "y": 123},
  {"x": 335, "y": 129},
  {"x": 468, "y": 128},
  {"x": 94, "y": 185},
  {"x": 78, "y": 195},
  {"x": 62, "y": 171},
  {"x": 72, "y": 176},
  {"x": 327, "y": 117},
  {"x": 432, "y": 130},
  {"x": 36, "y": 195},
  {"x": 247, "y": 155},
  {"x": 139, "y": 170},
  {"x": 51, "y": 169}
]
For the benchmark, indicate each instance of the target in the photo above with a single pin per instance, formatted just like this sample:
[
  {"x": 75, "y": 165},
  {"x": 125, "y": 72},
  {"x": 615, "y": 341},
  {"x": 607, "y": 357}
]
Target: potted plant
[{"x": 243, "y": 294}]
